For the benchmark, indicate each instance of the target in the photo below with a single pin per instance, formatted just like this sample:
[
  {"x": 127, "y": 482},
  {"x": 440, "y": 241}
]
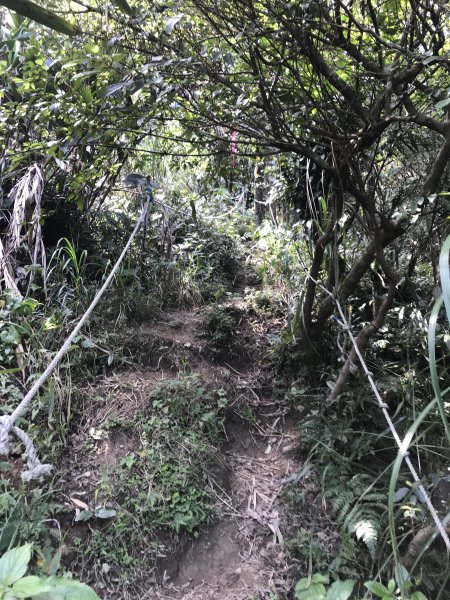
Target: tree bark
[
  {"x": 259, "y": 193},
  {"x": 353, "y": 278},
  {"x": 361, "y": 341},
  {"x": 319, "y": 251},
  {"x": 439, "y": 167}
]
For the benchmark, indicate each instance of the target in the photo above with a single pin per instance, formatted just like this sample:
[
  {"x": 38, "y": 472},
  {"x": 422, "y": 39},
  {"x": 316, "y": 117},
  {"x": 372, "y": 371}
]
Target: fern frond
[
  {"x": 367, "y": 532},
  {"x": 359, "y": 509}
]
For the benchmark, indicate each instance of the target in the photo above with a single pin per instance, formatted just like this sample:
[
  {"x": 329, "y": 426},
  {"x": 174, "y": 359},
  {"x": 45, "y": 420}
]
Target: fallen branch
[{"x": 420, "y": 544}]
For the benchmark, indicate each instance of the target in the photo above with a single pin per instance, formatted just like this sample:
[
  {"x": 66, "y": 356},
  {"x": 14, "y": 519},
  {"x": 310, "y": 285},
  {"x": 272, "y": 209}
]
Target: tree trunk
[
  {"x": 361, "y": 341},
  {"x": 259, "y": 192},
  {"x": 360, "y": 268}
]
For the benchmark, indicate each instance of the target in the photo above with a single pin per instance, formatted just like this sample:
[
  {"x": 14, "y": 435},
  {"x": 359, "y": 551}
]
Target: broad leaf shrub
[
  {"x": 317, "y": 588},
  {"x": 14, "y": 584}
]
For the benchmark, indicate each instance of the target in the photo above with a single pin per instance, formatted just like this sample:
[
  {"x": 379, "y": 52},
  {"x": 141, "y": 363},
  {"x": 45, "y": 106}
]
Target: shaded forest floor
[{"x": 241, "y": 554}]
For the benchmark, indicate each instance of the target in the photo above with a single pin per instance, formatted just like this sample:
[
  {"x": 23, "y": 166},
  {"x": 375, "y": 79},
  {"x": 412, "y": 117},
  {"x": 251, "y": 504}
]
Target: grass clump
[
  {"x": 26, "y": 514},
  {"x": 219, "y": 325},
  {"x": 266, "y": 303}
]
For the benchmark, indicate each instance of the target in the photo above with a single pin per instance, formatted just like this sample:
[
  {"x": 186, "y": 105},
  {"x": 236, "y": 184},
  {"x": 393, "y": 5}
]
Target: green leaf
[
  {"x": 104, "y": 513},
  {"x": 443, "y": 103},
  {"x": 30, "y": 586},
  {"x": 123, "y": 6},
  {"x": 112, "y": 89},
  {"x": 316, "y": 591},
  {"x": 11, "y": 335},
  {"x": 170, "y": 23},
  {"x": 341, "y": 590},
  {"x": 432, "y": 325},
  {"x": 135, "y": 180},
  {"x": 13, "y": 564},
  {"x": 400, "y": 494},
  {"x": 68, "y": 589},
  {"x": 87, "y": 344},
  {"x": 302, "y": 584},
  {"x": 378, "y": 589},
  {"x": 40, "y": 15},
  {"x": 418, "y": 596},
  {"x": 402, "y": 577},
  {"x": 55, "y": 563},
  {"x": 84, "y": 75},
  {"x": 8, "y": 533},
  {"x": 84, "y": 515}
]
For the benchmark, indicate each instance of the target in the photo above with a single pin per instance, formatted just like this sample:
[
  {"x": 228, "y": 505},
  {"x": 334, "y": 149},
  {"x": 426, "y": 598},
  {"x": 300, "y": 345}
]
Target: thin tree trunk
[
  {"x": 319, "y": 251},
  {"x": 349, "y": 284},
  {"x": 259, "y": 192},
  {"x": 311, "y": 287},
  {"x": 361, "y": 341}
]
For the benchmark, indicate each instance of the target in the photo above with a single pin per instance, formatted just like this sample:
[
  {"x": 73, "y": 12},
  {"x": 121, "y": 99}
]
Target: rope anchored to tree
[{"x": 37, "y": 470}]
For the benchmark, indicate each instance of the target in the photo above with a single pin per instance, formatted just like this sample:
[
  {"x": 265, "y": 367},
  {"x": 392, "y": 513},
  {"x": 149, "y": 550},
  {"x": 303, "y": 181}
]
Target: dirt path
[{"x": 242, "y": 556}]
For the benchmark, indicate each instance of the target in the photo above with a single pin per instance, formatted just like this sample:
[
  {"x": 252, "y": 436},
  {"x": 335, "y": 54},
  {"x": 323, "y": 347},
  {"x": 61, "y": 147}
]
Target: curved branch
[
  {"x": 362, "y": 340},
  {"x": 439, "y": 166}
]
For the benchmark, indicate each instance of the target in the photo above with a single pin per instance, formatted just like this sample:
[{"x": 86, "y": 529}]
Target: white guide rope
[{"x": 36, "y": 470}]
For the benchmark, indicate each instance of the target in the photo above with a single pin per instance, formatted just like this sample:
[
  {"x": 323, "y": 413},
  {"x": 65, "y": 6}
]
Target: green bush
[{"x": 219, "y": 325}]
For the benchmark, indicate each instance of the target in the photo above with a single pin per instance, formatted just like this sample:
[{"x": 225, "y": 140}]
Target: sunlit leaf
[
  {"x": 377, "y": 588},
  {"x": 341, "y": 590},
  {"x": 104, "y": 513},
  {"x": 13, "y": 564},
  {"x": 170, "y": 23},
  {"x": 443, "y": 103},
  {"x": 30, "y": 586}
]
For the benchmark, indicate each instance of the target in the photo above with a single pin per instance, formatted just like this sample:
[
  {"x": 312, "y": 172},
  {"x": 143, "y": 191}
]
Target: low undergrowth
[
  {"x": 352, "y": 452},
  {"x": 163, "y": 488},
  {"x": 220, "y": 325},
  {"x": 347, "y": 444}
]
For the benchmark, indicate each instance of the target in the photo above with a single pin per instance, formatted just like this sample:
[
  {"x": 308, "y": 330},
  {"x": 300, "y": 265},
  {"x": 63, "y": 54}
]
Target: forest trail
[{"x": 242, "y": 555}]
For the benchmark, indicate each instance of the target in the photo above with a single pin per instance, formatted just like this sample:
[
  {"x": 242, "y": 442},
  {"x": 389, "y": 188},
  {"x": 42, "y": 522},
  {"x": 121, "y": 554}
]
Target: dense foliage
[{"x": 319, "y": 134}]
